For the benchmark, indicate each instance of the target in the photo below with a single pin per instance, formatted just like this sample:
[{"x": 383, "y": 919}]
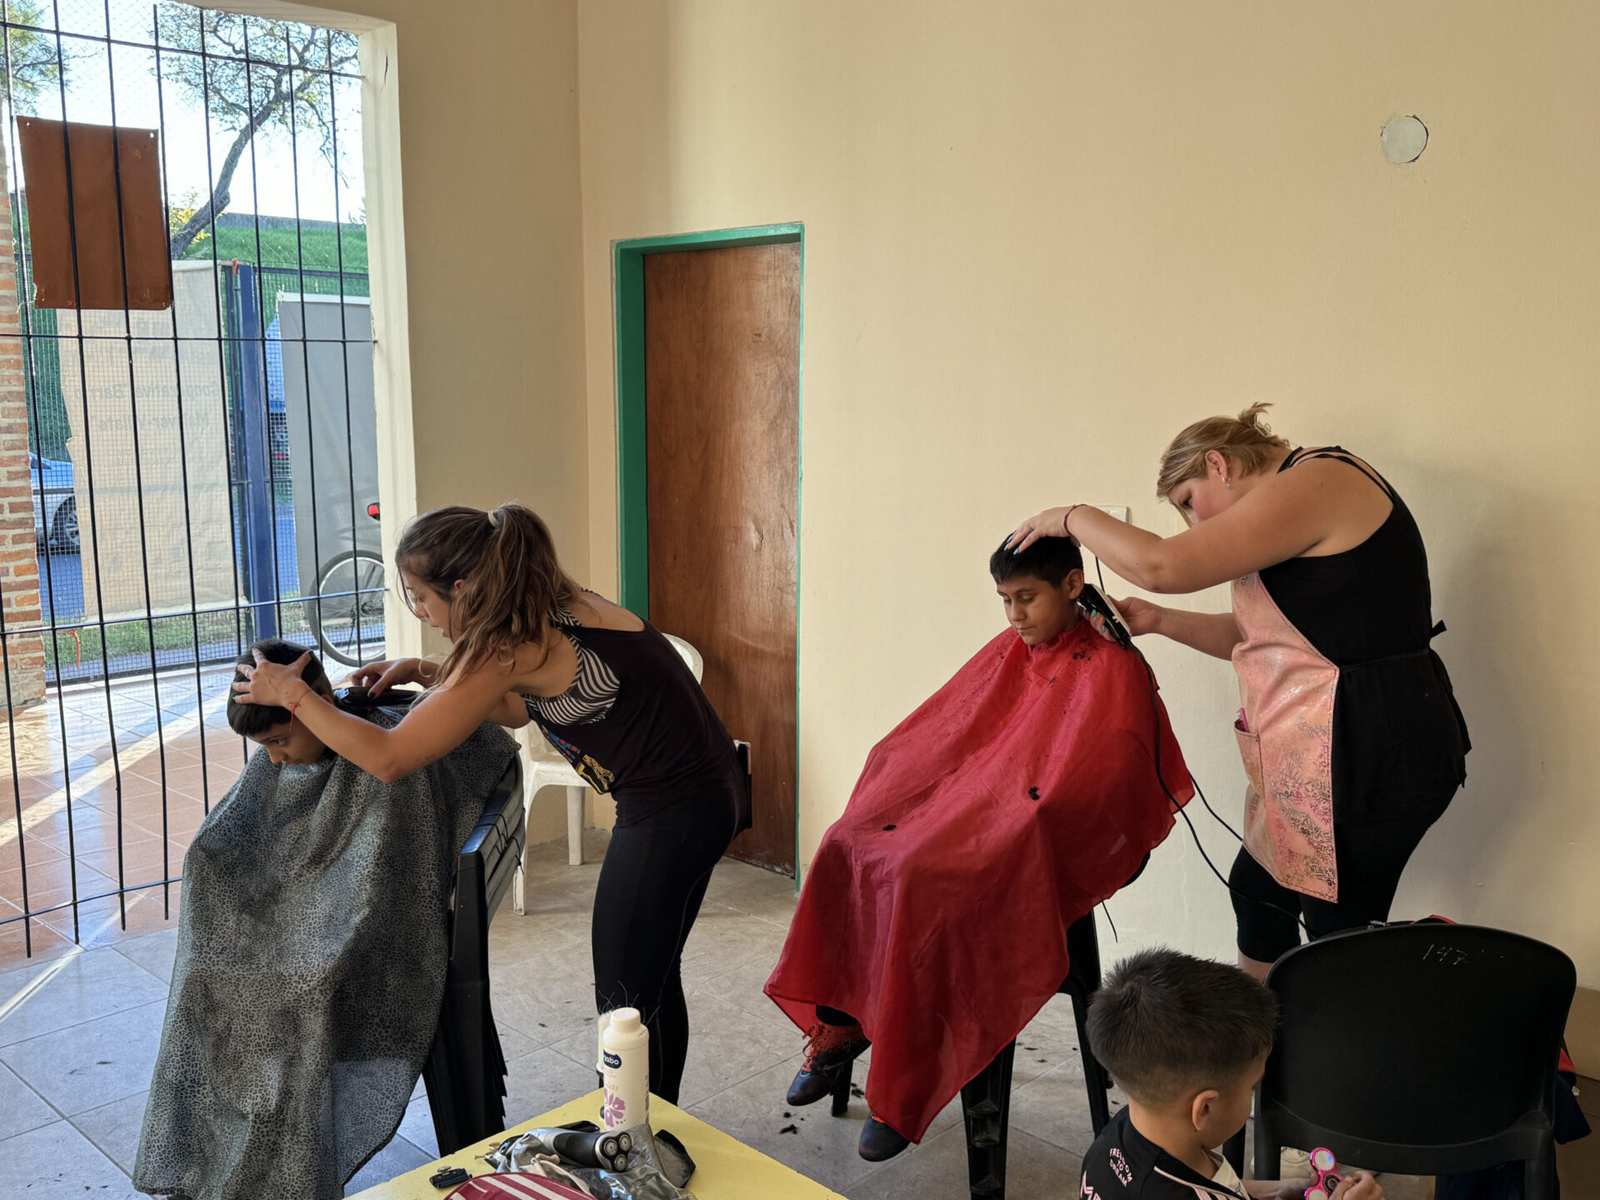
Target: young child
[
  {"x": 1039, "y": 589},
  {"x": 277, "y": 730},
  {"x": 312, "y": 953},
  {"x": 1026, "y": 790},
  {"x": 1187, "y": 1039}
]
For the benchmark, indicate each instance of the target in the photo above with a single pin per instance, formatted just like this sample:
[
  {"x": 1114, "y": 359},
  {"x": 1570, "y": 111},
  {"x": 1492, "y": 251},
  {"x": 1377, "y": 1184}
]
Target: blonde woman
[{"x": 1351, "y": 738}]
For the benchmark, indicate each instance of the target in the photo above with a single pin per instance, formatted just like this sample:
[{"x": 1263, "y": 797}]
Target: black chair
[
  {"x": 466, "y": 1068},
  {"x": 1417, "y": 1049},
  {"x": 986, "y": 1101}
]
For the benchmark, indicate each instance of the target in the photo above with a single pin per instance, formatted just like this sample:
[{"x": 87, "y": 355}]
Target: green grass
[
  {"x": 278, "y": 247},
  {"x": 170, "y": 634},
  {"x": 121, "y": 639}
]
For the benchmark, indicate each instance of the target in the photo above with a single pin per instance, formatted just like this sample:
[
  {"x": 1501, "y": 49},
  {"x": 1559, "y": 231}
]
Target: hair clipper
[
  {"x": 609, "y": 1150},
  {"x": 1110, "y": 624}
]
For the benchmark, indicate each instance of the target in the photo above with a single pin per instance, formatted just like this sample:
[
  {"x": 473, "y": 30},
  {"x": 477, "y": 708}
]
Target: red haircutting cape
[{"x": 1019, "y": 796}]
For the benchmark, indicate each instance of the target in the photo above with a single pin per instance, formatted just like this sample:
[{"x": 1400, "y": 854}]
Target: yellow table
[{"x": 724, "y": 1168}]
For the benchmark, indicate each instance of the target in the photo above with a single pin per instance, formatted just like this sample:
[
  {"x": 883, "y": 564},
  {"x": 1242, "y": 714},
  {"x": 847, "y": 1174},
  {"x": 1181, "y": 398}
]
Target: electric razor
[
  {"x": 1110, "y": 624},
  {"x": 609, "y": 1150}
]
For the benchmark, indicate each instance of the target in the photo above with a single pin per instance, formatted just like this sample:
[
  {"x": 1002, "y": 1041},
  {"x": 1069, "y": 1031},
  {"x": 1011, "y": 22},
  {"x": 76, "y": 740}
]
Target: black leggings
[
  {"x": 1371, "y": 859},
  {"x": 651, "y": 884}
]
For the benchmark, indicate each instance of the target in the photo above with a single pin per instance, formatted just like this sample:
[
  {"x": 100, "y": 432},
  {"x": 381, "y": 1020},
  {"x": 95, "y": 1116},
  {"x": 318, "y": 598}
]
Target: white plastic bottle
[{"x": 625, "y": 1070}]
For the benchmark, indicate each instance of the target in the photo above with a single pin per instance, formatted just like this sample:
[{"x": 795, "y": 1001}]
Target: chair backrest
[
  {"x": 690, "y": 655},
  {"x": 1418, "y": 1035},
  {"x": 493, "y": 851}
]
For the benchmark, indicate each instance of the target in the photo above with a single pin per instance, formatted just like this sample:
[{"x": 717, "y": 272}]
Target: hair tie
[{"x": 494, "y": 518}]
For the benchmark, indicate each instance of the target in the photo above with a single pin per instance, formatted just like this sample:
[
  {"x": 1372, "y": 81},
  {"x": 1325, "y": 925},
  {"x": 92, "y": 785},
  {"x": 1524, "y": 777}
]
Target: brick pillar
[{"x": 19, "y": 563}]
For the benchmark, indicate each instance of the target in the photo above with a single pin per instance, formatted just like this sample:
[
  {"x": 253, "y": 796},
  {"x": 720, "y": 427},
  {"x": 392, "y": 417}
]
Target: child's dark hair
[
  {"x": 1051, "y": 559},
  {"x": 1165, "y": 1023},
  {"x": 253, "y": 720}
]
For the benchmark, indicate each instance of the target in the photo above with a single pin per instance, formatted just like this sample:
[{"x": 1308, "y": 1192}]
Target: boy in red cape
[{"x": 933, "y": 923}]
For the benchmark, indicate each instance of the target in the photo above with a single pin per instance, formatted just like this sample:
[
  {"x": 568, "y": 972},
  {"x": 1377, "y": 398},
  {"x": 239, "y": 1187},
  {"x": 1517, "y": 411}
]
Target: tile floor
[
  {"x": 83, "y": 813},
  {"x": 79, "y": 1033}
]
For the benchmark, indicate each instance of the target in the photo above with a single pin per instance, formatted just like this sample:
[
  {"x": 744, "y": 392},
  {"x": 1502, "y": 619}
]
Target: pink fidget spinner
[{"x": 1326, "y": 1182}]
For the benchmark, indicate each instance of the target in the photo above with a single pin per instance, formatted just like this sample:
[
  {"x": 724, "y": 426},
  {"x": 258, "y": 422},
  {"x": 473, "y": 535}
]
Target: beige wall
[
  {"x": 488, "y": 125},
  {"x": 1039, "y": 238},
  {"x": 488, "y": 149}
]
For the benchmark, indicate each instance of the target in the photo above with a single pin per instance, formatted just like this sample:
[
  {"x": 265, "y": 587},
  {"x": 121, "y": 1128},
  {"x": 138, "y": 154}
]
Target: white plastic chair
[{"x": 549, "y": 769}]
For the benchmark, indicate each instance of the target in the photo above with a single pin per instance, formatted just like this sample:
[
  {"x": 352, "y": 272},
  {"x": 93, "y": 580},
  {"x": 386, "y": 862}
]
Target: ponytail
[
  {"x": 1246, "y": 441},
  {"x": 511, "y": 580}
]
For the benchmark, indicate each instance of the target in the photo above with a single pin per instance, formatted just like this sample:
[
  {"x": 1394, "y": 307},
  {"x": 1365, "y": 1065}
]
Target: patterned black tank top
[{"x": 636, "y": 724}]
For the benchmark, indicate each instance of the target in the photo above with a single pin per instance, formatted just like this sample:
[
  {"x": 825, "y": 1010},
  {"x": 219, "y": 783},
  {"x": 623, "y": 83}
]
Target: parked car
[{"x": 55, "y": 504}]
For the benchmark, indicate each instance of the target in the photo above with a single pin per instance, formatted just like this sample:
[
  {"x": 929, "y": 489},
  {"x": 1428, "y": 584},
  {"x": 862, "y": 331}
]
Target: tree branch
[{"x": 221, "y": 189}]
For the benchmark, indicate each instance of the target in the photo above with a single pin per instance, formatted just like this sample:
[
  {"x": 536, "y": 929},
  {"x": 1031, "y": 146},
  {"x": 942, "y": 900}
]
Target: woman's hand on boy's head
[
  {"x": 271, "y": 683},
  {"x": 1052, "y": 522}
]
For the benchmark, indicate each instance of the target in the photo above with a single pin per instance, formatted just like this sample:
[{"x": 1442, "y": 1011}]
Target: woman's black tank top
[
  {"x": 1399, "y": 739},
  {"x": 660, "y": 742}
]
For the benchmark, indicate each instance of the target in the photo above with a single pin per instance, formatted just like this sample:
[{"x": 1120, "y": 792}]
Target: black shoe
[
  {"x": 879, "y": 1142},
  {"x": 830, "y": 1051}
]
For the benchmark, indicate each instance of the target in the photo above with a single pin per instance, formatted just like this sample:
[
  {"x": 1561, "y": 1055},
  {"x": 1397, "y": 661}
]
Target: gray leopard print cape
[{"x": 312, "y": 950}]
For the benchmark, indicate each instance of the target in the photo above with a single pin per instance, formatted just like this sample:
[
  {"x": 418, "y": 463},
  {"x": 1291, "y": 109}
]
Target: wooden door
[{"x": 722, "y": 361}]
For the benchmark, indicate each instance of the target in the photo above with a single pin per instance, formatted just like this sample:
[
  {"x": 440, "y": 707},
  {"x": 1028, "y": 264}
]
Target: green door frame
[
  {"x": 633, "y": 520},
  {"x": 633, "y": 516}
]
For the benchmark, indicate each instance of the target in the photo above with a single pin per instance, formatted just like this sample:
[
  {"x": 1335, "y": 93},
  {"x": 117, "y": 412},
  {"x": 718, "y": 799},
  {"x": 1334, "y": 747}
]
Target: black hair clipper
[
  {"x": 608, "y": 1150},
  {"x": 355, "y": 697},
  {"x": 1107, "y": 620}
]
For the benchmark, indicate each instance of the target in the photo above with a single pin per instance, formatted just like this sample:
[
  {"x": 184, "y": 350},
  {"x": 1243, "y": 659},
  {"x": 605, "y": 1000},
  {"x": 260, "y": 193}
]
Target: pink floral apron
[{"x": 1285, "y": 735}]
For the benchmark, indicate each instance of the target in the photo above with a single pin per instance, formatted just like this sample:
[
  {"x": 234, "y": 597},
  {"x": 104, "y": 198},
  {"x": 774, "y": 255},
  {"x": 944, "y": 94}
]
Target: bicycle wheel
[{"x": 349, "y": 615}]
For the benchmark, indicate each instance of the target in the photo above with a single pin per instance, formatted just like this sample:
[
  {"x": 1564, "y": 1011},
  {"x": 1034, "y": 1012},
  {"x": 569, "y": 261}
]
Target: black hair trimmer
[
  {"x": 1111, "y": 624},
  {"x": 610, "y": 1150}
]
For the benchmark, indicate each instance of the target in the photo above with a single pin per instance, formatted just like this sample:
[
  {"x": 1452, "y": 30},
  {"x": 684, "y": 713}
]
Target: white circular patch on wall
[{"x": 1403, "y": 139}]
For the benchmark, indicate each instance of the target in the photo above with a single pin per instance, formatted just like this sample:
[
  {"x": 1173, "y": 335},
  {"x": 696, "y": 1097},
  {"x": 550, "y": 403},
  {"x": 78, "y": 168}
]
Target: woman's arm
[
  {"x": 1280, "y": 518},
  {"x": 436, "y": 724},
  {"x": 1215, "y": 634}
]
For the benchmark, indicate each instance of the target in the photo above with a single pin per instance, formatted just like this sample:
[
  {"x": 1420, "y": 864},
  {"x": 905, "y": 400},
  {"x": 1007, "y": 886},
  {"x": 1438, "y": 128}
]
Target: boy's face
[
  {"x": 1040, "y": 611},
  {"x": 1219, "y": 1113},
  {"x": 291, "y": 744}
]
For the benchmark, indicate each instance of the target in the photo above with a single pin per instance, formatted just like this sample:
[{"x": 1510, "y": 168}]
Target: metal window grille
[{"x": 190, "y": 488}]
